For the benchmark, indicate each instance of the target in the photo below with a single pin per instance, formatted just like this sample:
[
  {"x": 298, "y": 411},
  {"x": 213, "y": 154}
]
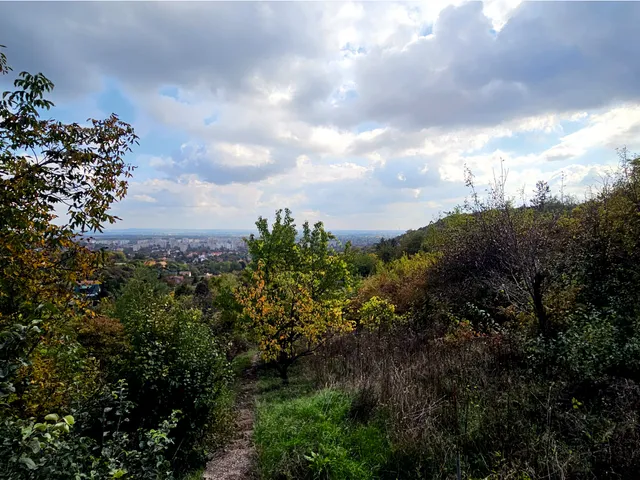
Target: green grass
[
  {"x": 242, "y": 362},
  {"x": 195, "y": 475},
  {"x": 270, "y": 388},
  {"x": 313, "y": 437}
]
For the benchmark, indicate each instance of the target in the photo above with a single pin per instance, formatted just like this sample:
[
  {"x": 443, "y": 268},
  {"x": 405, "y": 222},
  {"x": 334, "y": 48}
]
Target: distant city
[{"x": 203, "y": 243}]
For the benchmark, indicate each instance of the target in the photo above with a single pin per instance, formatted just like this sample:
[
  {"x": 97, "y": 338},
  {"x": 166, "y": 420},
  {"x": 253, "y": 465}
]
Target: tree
[
  {"x": 387, "y": 249},
  {"x": 362, "y": 264},
  {"x": 47, "y": 167},
  {"x": 514, "y": 251},
  {"x": 57, "y": 181},
  {"x": 377, "y": 313},
  {"x": 296, "y": 291}
]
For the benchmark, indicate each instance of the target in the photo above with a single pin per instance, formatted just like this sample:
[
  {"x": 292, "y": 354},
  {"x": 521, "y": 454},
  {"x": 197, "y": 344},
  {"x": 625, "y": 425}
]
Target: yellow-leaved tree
[{"x": 296, "y": 292}]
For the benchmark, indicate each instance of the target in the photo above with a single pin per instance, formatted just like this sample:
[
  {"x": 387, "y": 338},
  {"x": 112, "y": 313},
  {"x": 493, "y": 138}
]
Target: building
[
  {"x": 175, "y": 279},
  {"x": 89, "y": 288}
]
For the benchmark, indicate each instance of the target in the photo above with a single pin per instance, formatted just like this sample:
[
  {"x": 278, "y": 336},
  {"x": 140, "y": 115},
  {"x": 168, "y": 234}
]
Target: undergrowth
[{"x": 314, "y": 437}]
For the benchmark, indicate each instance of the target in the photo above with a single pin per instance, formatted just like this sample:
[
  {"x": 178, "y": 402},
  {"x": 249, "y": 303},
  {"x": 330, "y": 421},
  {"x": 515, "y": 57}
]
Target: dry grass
[{"x": 476, "y": 398}]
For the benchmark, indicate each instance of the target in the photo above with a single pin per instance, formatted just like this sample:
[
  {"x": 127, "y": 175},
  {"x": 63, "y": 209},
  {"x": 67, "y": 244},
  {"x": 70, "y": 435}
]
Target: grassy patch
[
  {"x": 313, "y": 437},
  {"x": 270, "y": 388},
  {"x": 195, "y": 475},
  {"x": 242, "y": 362}
]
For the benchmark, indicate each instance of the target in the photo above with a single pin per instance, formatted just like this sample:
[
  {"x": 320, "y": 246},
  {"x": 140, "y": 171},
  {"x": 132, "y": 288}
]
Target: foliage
[
  {"x": 520, "y": 354},
  {"x": 105, "y": 340},
  {"x": 377, "y": 313},
  {"x": 296, "y": 291},
  {"x": 14, "y": 354},
  {"x": 401, "y": 282},
  {"x": 58, "y": 354},
  {"x": 114, "y": 274},
  {"x": 175, "y": 364},
  {"x": 362, "y": 264},
  {"x": 46, "y": 164},
  {"x": 53, "y": 449}
]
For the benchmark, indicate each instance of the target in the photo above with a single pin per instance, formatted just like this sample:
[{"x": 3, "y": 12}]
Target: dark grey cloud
[
  {"x": 217, "y": 44},
  {"x": 550, "y": 57}
]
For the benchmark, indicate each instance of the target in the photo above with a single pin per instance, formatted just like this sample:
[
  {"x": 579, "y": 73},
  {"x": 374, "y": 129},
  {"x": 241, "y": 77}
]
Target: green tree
[
  {"x": 362, "y": 263},
  {"x": 52, "y": 171},
  {"x": 296, "y": 291}
]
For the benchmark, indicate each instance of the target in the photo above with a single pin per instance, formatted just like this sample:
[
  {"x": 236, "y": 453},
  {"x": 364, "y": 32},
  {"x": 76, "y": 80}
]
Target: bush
[
  {"x": 401, "y": 282},
  {"x": 176, "y": 363},
  {"x": 105, "y": 340},
  {"x": 595, "y": 343},
  {"x": 55, "y": 449}
]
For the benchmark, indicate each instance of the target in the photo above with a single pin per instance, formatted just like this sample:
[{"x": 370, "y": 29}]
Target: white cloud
[
  {"x": 243, "y": 155},
  {"x": 347, "y": 111},
  {"x": 614, "y": 128},
  {"x": 144, "y": 198}
]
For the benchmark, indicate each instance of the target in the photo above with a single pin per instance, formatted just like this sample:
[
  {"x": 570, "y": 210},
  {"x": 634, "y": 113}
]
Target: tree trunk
[
  {"x": 283, "y": 370},
  {"x": 538, "y": 306}
]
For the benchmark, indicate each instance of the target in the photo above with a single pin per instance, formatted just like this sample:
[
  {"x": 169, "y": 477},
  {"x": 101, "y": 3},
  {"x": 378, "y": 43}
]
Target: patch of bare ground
[{"x": 235, "y": 462}]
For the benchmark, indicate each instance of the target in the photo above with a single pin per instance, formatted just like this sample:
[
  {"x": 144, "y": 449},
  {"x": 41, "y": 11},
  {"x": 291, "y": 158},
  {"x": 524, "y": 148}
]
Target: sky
[{"x": 361, "y": 115}]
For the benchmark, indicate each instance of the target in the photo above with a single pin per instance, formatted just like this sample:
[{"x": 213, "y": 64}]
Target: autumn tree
[
  {"x": 57, "y": 181},
  {"x": 377, "y": 313},
  {"x": 296, "y": 291}
]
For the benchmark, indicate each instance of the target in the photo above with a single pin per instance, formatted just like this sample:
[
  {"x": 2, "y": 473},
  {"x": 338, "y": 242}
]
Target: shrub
[
  {"x": 401, "y": 282},
  {"x": 105, "y": 340},
  {"x": 175, "y": 364},
  {"x": 55, "y": 449}
]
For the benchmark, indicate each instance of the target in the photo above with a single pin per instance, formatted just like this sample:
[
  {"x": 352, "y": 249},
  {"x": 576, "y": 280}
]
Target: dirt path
[{"x": 236, "y": 460}]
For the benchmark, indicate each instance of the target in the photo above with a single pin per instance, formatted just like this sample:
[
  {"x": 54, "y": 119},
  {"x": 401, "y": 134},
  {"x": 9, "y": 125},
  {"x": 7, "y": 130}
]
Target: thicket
[{"x": 516, "y": 352}]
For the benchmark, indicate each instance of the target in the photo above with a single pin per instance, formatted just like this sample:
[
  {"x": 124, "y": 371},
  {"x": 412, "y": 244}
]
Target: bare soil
[{"x": 235, "y": 462}]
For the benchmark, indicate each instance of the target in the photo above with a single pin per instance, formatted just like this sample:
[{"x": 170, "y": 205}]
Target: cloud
[
  {"x": 549, "y": 57},
  {"x": 614, "y": 128},
  {"x": 364, "y": 114},
  {"x": 144, "y": 198},
  {"x": 221, "y": 45}
]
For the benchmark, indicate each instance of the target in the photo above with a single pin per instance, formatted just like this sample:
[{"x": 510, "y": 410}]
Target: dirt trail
[{"x": 235, "y": 462}]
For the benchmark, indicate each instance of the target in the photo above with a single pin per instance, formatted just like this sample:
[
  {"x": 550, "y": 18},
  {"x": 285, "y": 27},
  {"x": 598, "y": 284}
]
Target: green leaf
[
  {"x": 30, "y": 464},
  {"x": 52, "y": 417},
  {"x": 34, "y": 444},
  {"x": 69, "y": 419},
  {"x": 118, "y": 473}
]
